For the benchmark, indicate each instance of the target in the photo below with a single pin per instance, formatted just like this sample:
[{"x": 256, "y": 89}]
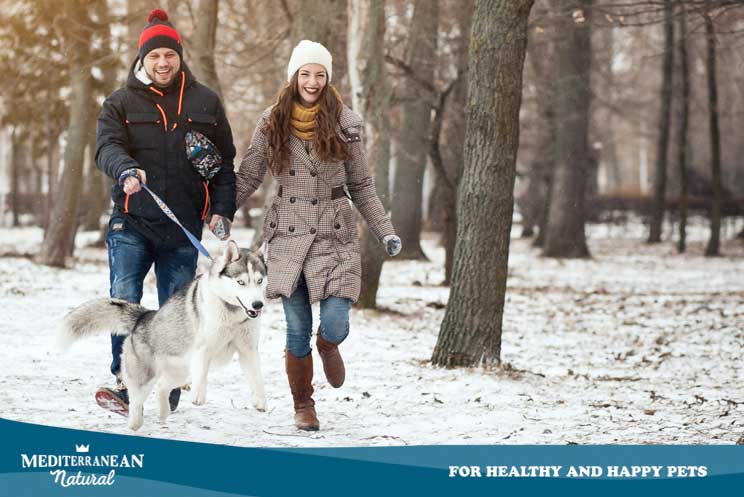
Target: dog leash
[{"x": 167, "y": 211}]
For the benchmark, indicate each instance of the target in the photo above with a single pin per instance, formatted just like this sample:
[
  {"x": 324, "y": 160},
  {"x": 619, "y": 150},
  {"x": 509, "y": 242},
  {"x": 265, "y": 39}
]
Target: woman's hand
[{"x": 392, "y": 245}]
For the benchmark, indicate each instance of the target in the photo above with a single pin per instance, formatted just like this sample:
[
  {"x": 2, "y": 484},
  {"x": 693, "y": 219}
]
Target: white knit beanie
[{"x": 309, "y": 52}]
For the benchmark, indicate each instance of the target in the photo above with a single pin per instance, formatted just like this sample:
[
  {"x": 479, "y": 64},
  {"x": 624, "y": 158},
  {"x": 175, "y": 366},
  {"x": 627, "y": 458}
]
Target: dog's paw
[
  {"x": 136, "y": 424},
  {"x": 199, "y": 399},
  {"x": 259, "y": 404},
  {"x": 136, "y": 418}
]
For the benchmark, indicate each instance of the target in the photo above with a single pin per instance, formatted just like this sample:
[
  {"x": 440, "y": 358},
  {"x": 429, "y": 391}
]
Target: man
[{"x": 140, "y": 140}]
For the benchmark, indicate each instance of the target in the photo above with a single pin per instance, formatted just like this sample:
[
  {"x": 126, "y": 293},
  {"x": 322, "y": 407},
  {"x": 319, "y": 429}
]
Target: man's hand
[
  {"x": 132, "y": 184},
  {"x": 392, "y": 245},
  {"x": 220, "y": 226}
]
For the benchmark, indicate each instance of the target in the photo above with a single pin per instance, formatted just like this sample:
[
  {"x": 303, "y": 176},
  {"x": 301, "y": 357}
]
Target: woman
[{"x": 312, "y": 145}]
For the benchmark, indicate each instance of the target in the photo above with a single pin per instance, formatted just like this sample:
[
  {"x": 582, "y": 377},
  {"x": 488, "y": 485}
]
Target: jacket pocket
[
  {"x": 203, "y": 123},
  {"x": 143, "y": 129},
  {"x": 342, "y": 225},
  {"x": 196, "y": 117}
]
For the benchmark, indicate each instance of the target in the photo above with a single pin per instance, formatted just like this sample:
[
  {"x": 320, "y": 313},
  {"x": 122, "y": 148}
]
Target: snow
[{"x": 638, "y": 345}]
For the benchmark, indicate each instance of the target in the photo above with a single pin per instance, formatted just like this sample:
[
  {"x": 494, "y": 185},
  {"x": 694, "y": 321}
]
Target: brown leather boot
[
  {"x": 333, "y": 365},
  {"x": 300, "y": 376}
]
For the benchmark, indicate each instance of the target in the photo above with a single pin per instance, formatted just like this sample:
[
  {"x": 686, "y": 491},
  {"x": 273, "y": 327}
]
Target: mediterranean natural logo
[{"x": 82, "y": 468}]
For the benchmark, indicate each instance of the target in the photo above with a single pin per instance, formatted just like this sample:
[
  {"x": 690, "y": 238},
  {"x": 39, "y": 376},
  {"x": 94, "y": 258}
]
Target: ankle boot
[
  {"x": 300, "y": 376},
  {"x": 333, "y": 364}
]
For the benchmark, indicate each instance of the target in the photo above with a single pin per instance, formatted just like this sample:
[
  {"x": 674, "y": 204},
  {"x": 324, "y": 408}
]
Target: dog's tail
[{"x": 114, "y": 316}]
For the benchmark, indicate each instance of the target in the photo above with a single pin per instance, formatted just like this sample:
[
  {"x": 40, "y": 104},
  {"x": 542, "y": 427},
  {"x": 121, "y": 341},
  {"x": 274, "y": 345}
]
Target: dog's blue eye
[
  {"x": 260, "y": 280},
  {"x": 241, "y": 282}
]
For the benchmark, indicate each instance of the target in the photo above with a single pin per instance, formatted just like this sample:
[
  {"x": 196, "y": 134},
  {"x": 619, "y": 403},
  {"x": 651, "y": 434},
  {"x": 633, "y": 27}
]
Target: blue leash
[{"x": 166, "y": 210}]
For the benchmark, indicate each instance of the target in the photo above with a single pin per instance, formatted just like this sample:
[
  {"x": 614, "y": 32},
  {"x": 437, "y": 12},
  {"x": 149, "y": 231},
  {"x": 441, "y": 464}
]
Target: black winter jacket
[{"x": 140, "y": 126}]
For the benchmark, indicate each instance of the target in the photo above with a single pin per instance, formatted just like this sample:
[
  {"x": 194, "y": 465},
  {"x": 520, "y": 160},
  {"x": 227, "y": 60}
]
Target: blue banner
[{"x": 40, "y": 460}]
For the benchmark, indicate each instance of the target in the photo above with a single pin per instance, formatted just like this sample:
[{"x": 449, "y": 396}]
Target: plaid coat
[{"x": 306, "y": 231}]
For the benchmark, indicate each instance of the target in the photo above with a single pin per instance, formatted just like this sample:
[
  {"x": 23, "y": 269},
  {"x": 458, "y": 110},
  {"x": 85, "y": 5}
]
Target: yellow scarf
[
  {"x": 303, "y": 118},
  {"x": 303, "y": 121}
]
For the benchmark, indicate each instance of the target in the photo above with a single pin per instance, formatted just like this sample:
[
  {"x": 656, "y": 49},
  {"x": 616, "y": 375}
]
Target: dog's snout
[{"x": 257, "y": 304}]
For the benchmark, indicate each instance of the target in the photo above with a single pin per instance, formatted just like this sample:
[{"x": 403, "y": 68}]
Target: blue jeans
[
  {"x": 130, "y": 257},
  {"x": 334, "y": 319}
]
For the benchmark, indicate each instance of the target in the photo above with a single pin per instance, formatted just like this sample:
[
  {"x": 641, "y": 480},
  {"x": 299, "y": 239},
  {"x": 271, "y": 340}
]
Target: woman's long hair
[{"x": 328, "y": 144}]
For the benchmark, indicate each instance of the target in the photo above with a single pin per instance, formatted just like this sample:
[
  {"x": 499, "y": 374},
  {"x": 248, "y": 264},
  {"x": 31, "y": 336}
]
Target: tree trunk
[
  {"x": 446, "y": 183},
  {"x": 203, "y": 44},
  {"x": 565, "y": 235},
  {"x": 415, "y": 129},
  {"x": 51, "y": 171},
  {"x": 609, "y": 139},
  {"x": 109, "y": 69},
  {"x": 454, "y": 139},
  {"x": 715, "y": 141},
  {"x": 657, "y": 209},
  {"x": 471, "y": 330},
  {"x": 96, "y": 196},
  {"x": 682, "y": 132},
  {"x": 37, "y": 167},
  {"x": 59, "y": 238},
  {"x": 15, "y": 145},
  {"x": 535, "y": 201},
  {"x": 371, "y": 97}
]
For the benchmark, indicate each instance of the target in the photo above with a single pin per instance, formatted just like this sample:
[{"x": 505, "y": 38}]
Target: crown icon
[{"x": 82, "y": 448}]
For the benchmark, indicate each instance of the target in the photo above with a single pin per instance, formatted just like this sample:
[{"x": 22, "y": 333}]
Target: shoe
[
  {"x": 333, "y": 364},
  {"x": 114, "y": 399},
  {"x": 300, "y": 377}
]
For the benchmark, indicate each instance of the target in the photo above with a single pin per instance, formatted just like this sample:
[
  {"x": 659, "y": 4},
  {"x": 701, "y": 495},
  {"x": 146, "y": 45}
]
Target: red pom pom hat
[{"x": 159, "y": 33}]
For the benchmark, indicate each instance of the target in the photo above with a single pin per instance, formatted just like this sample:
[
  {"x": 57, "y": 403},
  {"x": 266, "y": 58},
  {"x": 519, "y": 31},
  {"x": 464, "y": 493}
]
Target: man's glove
[
  {"x": 392, "y": 245},
  {"x": 130, "y": 180}
]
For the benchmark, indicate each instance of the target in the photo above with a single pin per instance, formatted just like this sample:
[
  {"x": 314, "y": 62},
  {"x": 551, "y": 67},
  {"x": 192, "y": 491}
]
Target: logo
[{"x": 83, "y": 470}]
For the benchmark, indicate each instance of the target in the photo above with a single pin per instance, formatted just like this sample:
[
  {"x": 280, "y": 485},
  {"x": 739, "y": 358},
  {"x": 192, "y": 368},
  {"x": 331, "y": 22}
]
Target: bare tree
[
  {"x": 682, "y": 132},
  {"x": 534, "y": 203},
  {"x": 657, "y": 210},
  {"x": 413, "y": 142},
  {"x": 59, "y": 238},
  {"x": 203, "y": 43},
  {"x": 448, "y": 134},
  {"x": 15, "y": 156},
  {"x": 471, "y": 330},
  {"x": 712, "y": 249},
  {"x": 371, "y": 97},
  {"x": 565, "y": 235}
]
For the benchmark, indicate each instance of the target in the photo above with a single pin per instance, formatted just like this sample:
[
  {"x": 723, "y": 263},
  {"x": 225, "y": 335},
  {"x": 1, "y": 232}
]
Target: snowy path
[{"x": 641, "y": 348}]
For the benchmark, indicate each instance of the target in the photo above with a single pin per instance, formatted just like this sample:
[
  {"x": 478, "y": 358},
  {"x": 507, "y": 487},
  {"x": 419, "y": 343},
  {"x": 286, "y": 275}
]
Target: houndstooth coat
[{"x": 307, "y": 231}]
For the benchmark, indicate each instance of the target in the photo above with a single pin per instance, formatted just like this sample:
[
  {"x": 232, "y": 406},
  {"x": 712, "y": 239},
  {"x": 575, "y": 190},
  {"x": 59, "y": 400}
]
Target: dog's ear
[
  {"x": 259, "y": 253},
  {"x": 231, "y": 254}
]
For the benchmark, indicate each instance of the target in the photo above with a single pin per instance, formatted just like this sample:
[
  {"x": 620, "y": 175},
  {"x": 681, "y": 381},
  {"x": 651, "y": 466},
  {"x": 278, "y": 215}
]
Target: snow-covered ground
[{"x": 637, "y": 345}]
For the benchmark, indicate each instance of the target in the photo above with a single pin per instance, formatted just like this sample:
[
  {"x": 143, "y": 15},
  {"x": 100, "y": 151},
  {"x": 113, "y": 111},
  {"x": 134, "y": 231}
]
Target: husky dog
[{"x": 201, "y": 325}]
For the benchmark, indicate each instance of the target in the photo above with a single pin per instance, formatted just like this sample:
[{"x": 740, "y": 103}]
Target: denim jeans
[
  {"x": 130, "y": 257},
  {"x": 334, "y": 319}
]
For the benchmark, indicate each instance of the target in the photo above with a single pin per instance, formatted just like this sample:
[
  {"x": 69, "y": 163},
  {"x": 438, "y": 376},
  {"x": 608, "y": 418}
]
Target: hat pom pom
[{"x": 157, "y": 13}]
